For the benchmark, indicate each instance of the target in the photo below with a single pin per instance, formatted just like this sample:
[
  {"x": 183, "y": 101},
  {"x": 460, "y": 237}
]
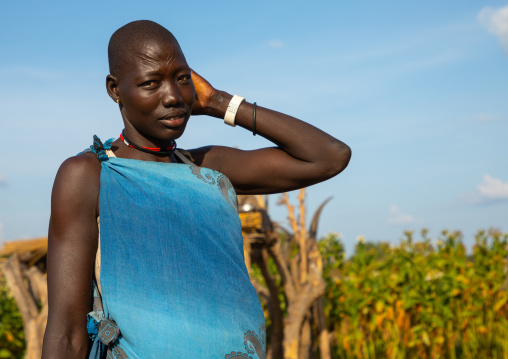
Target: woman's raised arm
[
  {"x": 72, "y": 245},
  {"x": 304, "y": 154}
]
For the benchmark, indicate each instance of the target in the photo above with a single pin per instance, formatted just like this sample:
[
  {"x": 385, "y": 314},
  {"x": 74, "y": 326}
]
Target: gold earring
[{"x": 117, "y": 101}]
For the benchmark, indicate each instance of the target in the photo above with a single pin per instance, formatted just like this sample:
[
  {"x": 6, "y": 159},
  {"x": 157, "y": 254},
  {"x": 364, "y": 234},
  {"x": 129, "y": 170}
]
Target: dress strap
[
  {"x": 100, "y": 149},
  {"x": 182, "y": 158}
]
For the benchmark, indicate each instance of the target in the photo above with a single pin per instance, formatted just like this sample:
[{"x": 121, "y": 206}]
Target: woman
[{"x": 167, "y": 258}]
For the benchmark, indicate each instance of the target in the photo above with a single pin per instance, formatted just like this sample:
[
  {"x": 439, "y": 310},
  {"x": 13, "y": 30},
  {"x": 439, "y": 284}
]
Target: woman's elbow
[{"x": 337, "y": 158}]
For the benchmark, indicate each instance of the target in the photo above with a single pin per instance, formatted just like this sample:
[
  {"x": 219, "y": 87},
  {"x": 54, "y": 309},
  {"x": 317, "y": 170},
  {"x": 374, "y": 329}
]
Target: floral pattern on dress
[
  {"x": 253, "y": 343},
  {"x": 222, "y": 182}
]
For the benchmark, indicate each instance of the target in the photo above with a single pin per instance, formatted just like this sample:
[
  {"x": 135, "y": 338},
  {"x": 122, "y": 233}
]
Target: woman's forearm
[{"x": 297, "y": 138}]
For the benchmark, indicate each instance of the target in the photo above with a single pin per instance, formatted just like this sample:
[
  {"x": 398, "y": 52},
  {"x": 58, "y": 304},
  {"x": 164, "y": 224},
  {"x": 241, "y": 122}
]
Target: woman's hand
[{"x": 209, "y": 101}]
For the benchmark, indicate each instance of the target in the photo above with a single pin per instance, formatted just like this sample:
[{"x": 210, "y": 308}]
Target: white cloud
[
  {"x": 396, "y": 216},
  {"x": 488, "y": 191},
  {"x": 493, "y": 189},
  {"x": 496, "y": 21},
  {"x": 484, "y": 118},
  {"x": 3, "y": 180},
  {"x": 275, "y": 44}
]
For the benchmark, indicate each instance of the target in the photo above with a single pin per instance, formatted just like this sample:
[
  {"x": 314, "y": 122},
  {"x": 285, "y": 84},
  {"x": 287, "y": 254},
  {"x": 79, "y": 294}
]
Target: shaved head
[{"x": 134, "y": 35}]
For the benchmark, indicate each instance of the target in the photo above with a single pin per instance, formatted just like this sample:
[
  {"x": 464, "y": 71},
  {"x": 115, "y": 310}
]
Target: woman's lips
[{"x": 173, "y": 121}]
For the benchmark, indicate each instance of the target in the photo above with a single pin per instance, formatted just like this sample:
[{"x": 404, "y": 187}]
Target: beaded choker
[{"x": 152, "y": 150}]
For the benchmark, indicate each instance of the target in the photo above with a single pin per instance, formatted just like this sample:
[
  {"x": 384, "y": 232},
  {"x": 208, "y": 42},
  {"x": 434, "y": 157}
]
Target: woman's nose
[{"x": 171, "y": 95}]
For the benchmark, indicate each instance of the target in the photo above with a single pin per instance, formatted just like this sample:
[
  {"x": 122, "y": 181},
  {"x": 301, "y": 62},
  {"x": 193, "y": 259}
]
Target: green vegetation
[
  {"x": 12, "y": 339},
  {"x": 418, "y": 300}
]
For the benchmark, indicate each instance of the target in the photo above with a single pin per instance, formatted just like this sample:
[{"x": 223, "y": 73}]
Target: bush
[
  {"x": 12, "y": 338},
  {"x": 418, "y": 300}
]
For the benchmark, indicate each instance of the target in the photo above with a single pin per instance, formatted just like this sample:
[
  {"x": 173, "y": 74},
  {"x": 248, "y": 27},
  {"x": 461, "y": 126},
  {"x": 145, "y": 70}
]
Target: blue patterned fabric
[
  {"x": 95, "y": 317},
  {"x": 173, "y": 276}
]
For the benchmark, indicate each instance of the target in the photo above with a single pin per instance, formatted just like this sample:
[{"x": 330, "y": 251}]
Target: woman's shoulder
[
  {"x": 79, "y": 176},
  {"x": 83, "y": 164}
]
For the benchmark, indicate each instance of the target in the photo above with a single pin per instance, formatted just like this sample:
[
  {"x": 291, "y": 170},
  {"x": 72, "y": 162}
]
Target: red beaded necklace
[{"x": 152, "y": 150}]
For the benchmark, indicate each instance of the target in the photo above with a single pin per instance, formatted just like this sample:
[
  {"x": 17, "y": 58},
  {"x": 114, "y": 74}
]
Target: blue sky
[{"x": 417, "y": 89}]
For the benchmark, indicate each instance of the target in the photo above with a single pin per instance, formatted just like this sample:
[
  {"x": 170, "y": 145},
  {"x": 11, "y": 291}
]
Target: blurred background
[{"x": 416, "y": 89}]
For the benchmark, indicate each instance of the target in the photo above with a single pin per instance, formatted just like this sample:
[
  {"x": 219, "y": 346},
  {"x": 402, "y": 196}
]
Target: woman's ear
[{"x": 112, "y": 88}]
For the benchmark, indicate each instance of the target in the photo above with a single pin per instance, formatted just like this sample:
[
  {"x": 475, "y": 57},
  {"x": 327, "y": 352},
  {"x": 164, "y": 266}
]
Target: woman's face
[{"x": 156, "y": 92}]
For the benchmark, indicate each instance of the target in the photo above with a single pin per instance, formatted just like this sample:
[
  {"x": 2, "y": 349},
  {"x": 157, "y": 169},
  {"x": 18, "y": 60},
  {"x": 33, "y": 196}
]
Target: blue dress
[{"x": 173, "y": 278}]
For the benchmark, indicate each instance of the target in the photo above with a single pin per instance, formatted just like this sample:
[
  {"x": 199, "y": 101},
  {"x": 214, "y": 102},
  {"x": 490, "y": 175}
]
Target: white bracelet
[{"x": 235, "y": 102}]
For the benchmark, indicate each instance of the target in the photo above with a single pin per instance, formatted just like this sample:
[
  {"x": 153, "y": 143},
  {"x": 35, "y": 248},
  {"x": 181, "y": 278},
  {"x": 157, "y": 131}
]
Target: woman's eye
[
  {"x": 149, "y": 84},
  {"x": 184, "y": 79}
]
